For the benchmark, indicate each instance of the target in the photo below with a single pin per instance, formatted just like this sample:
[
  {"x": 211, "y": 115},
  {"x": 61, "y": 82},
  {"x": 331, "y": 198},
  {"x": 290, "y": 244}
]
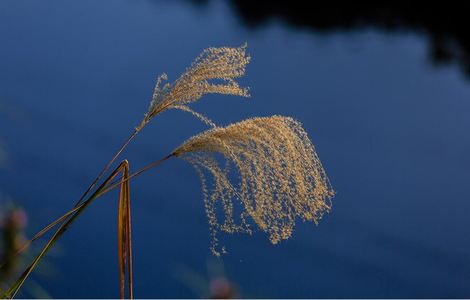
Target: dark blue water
[{"x": 391, "y": 130}]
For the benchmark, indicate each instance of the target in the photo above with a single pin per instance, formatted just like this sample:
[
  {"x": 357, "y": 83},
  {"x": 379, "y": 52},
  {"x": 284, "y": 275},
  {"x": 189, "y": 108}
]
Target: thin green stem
[
  {"x": 104, "y": 188},
  {"x": 115, "y": 184},
  {"x": 108, "y": 165},
  {"x": 13, "y": 290}
]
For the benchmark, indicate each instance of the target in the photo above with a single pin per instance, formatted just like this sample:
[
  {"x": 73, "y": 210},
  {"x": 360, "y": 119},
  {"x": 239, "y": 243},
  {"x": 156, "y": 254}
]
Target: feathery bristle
[
  {"x": 281, "y": 176},
  {"x": 212, "y": 72}
]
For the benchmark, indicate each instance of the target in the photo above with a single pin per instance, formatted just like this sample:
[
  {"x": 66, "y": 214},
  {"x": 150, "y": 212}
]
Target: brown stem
[
  {"x": 106, "y": 167},
  {"x": 105, "y": 187},
  {"x": 114, "y": 184},
  {"x": 15, "y": 288},
  {"x": 101, "y": 192},
  {"x": 77, "y": 204}
]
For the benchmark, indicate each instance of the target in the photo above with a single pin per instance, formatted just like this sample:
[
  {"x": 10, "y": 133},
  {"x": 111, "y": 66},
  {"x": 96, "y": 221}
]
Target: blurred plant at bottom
[
  {"x": 215, "y": 284},
  {"x": 13, "y": 224}
]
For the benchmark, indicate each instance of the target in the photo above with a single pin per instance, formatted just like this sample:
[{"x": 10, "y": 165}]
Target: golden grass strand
[
  {"x": 281, "y": 176},
  {"x": 200, "y": 116},
  {"x": 212, "y": 72}
]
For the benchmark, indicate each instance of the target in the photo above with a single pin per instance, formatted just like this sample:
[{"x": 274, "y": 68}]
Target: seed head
[
  {"x": 280, "y": 176},
  {"x": 212, "y": 72}
]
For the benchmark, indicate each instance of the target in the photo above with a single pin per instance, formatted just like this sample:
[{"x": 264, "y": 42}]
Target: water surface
[{"x": 390, "y": 128}]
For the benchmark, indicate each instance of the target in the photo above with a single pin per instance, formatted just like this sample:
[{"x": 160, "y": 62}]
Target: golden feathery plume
[
  {"x": 213, "y": 71},
  {"x": 281, "y": 176}
]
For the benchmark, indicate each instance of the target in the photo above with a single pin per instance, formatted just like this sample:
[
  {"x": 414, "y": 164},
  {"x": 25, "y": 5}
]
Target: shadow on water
[{"x": 444, "y": 25}]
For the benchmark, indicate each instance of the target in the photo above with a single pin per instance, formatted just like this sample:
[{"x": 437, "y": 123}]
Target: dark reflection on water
[
  {"x": 391, "y": 131},
  {"x": 445, "y": 25}
]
